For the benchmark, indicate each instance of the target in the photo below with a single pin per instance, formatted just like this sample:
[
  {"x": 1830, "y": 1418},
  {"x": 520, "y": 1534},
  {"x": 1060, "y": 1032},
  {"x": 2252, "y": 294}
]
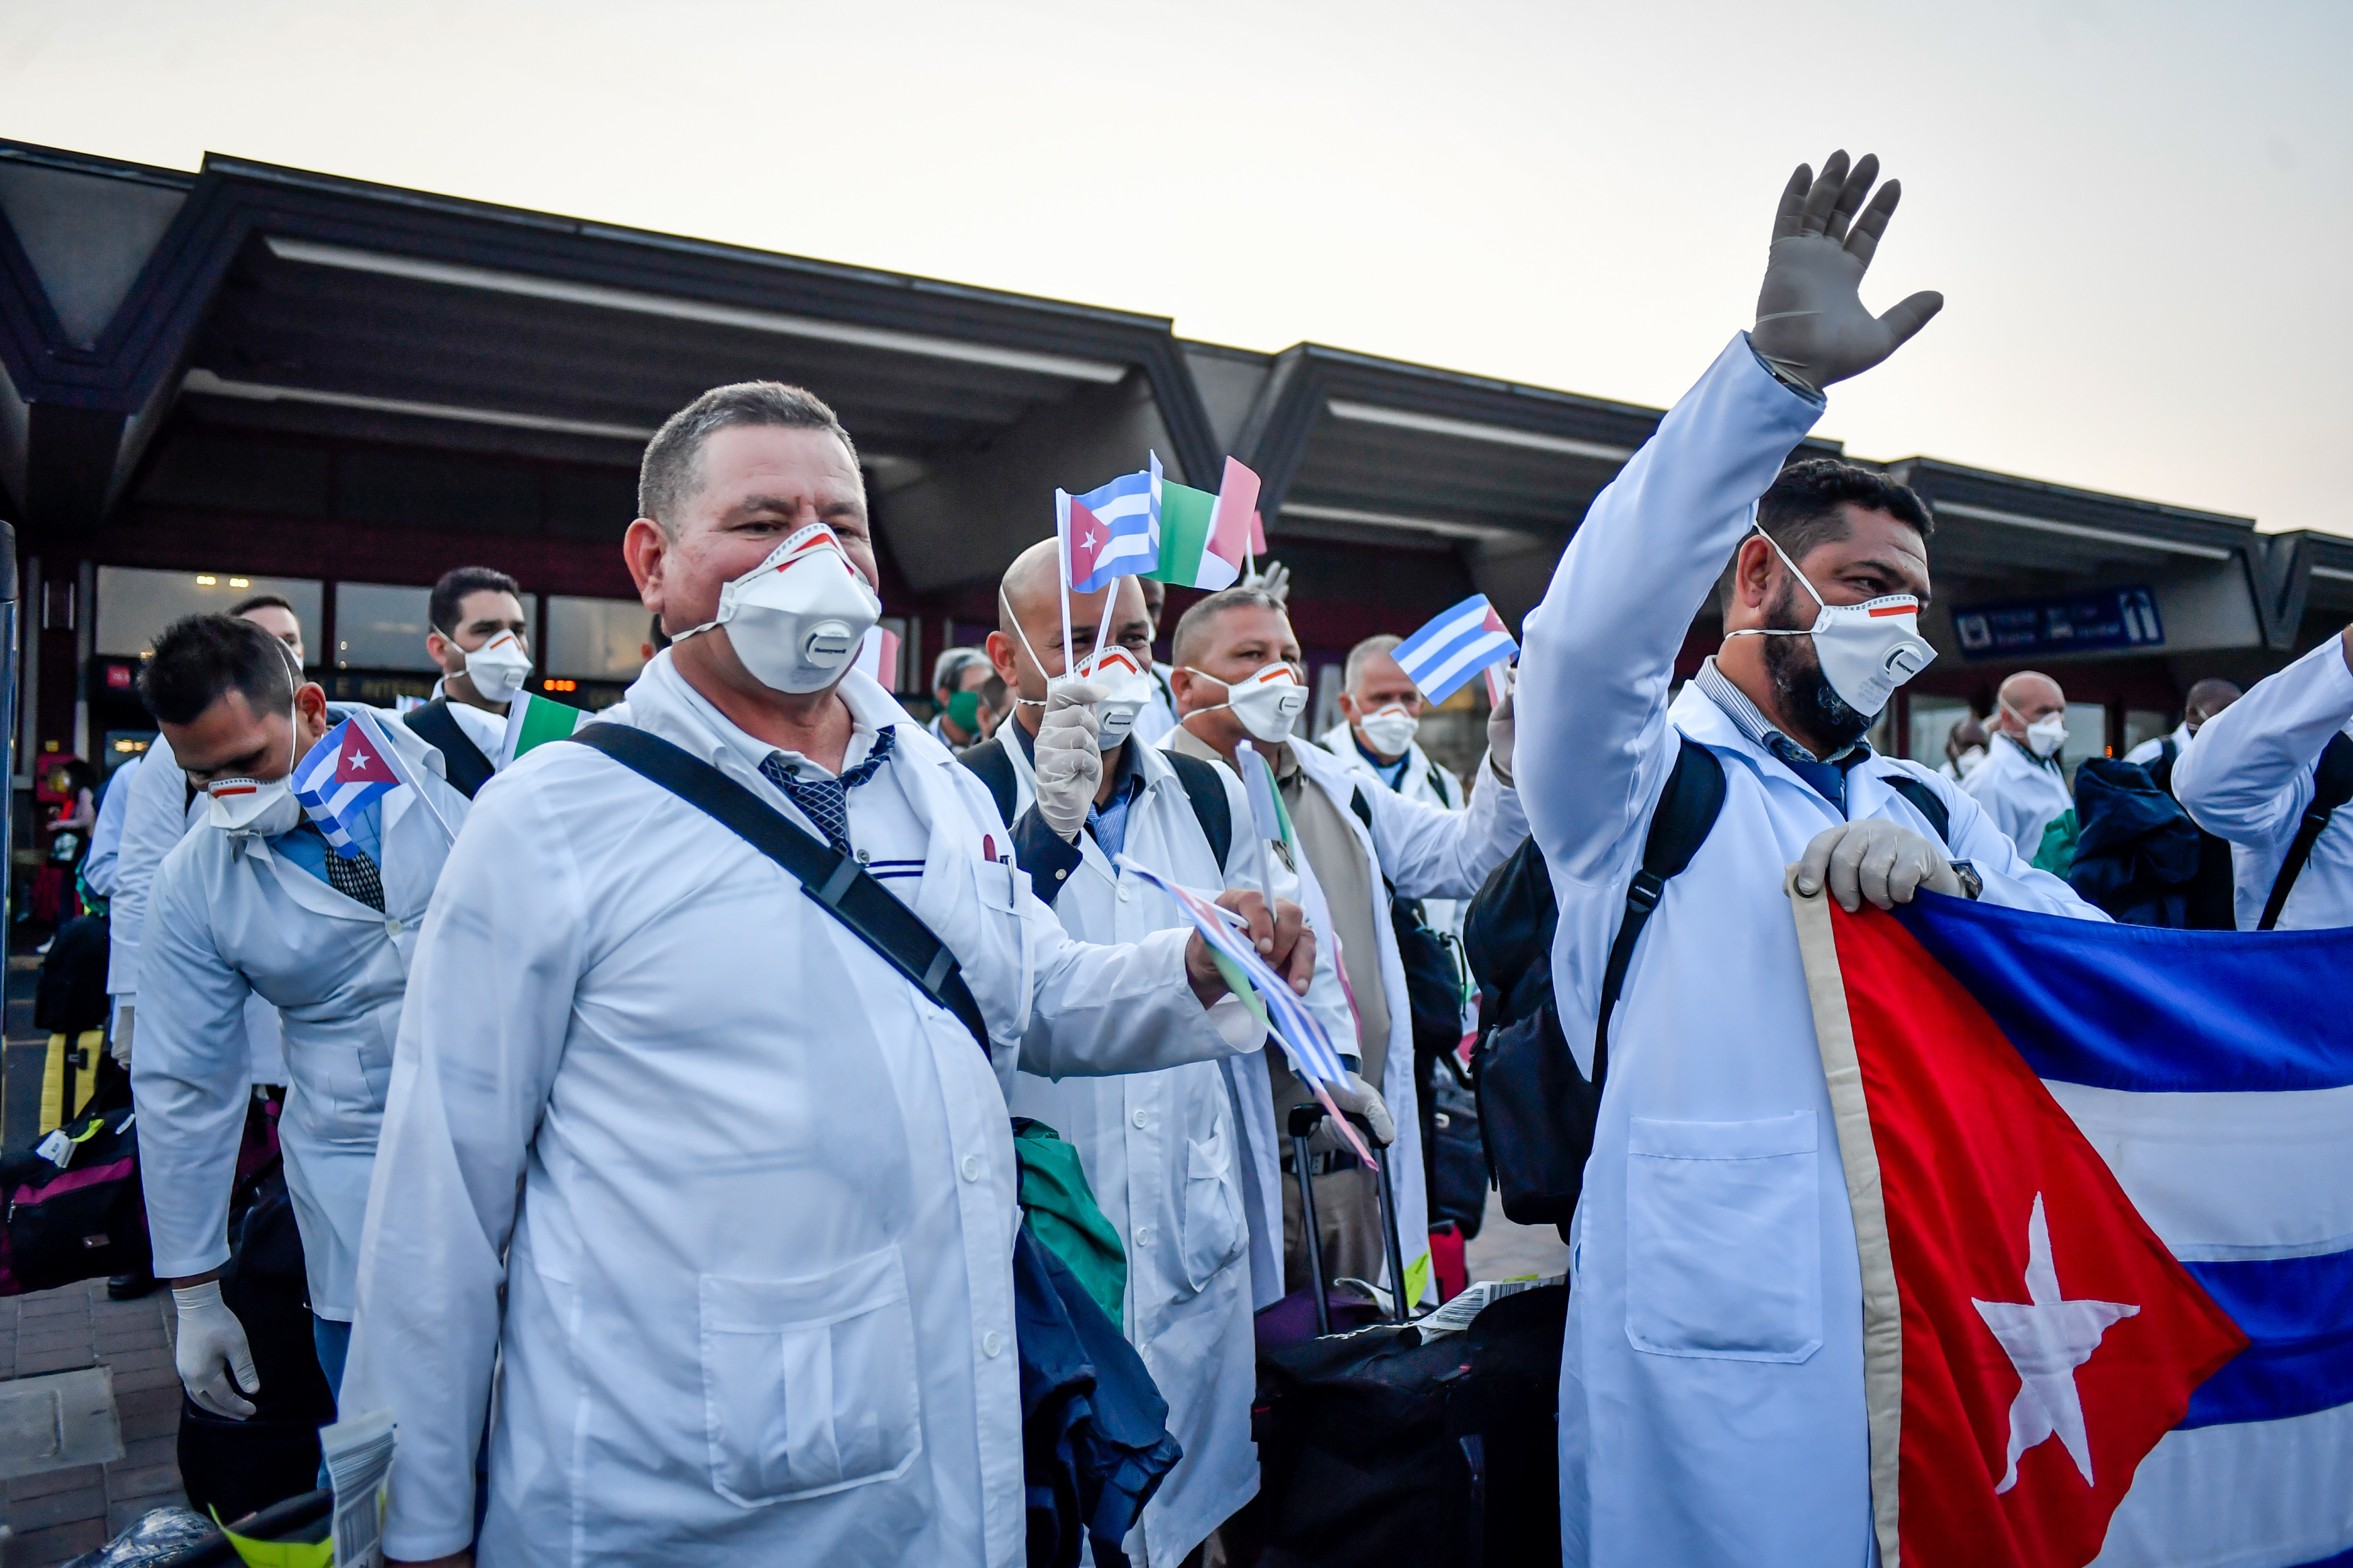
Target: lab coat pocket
[
  {"x": 808, "y": 1384},
  {"x": 1724, "y": 1238},
  {"x": 1214, "y": 1234}
]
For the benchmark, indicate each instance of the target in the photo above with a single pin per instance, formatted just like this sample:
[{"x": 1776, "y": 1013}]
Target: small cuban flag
[
  {"x": 1116, "y": 529},
  {"x": 340, "y": 778},
  {"x": 1454, "y": 646}
]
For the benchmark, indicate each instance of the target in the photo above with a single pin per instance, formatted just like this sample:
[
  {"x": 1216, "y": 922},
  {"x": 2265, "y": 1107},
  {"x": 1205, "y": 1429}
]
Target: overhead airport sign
[{"x": 2079, "y": 623}]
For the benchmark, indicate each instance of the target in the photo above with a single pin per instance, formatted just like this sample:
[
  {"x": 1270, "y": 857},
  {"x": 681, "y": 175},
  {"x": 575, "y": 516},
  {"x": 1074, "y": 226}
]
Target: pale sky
[{"x": 2141, "y": 214}]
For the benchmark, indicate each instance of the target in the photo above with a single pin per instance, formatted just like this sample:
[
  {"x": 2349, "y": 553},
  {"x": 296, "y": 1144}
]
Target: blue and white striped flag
[
  {"x": 1116, "y": 529},
  {"x": 1302, "y": 1038},
  {"x": 1455, "y": 647},
  {"x": 340, "y": 777}
]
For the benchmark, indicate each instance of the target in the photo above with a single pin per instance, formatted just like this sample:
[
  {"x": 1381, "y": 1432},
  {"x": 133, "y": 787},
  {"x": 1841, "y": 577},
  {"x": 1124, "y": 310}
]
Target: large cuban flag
[{"x": 2103, "y": 1189}]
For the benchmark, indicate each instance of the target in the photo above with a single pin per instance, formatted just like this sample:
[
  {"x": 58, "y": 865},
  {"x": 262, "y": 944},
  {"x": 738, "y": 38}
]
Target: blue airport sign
[{"x": 2079, "y": 623}]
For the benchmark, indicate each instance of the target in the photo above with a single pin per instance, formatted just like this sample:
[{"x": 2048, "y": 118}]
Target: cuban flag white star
[{"x": 2047, "y": 1338}]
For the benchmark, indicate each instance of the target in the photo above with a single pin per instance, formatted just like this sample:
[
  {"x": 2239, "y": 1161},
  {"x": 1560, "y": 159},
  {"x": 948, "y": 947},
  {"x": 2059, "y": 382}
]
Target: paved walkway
[
  {"x": 1502, "y": 1250},
  {"x": 59, "y": 1514}
]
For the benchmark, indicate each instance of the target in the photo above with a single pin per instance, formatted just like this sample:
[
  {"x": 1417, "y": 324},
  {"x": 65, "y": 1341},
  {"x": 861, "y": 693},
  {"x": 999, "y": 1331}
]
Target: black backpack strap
[
  {"x": 469, "y": 770},
  {"x": 838, "y": 882},
  {"x": 1686, "y": 813},
  {"x": 1205, "y": 788},
  {"x": 2332, "y": 786},
  {"x": 1926, "y": 801}
]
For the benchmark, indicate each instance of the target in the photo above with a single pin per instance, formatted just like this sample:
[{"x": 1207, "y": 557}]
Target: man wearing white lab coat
[
  {"x": 2021, "y": 785},
  {"x": 1183, "y": 1161},
  {"x": 727, "y": 1201},
  {"x": 2248, "y": 777},
  {"x": 271, "y": 910},
  {"x": 1711, "y": 1395},
  {"x": 1376, "y": 687},
  {"x": 160, "y": 810},
  {"x": 1225, "y": 644}
]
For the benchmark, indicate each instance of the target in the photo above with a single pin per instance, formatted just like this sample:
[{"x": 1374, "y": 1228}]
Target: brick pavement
[{"x": 59, "y": 1514}]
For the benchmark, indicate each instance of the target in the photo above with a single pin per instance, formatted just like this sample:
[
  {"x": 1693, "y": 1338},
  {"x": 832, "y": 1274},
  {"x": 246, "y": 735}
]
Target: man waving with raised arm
[{"x": 1712, "y": 1397}]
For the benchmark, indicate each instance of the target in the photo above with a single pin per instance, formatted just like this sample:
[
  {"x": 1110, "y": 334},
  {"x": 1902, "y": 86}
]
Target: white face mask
[
  {"x": 1390, "y": 731},
  {"x": 1866, "y": 650},
  {"x": 1127, "y": 688},
  {"x": 498, "y": 668},
  {"x": 796, "y": 619},
  {"x": 2046, "y": 735},
  {"x": 1969, "y": 761},
  {"x": 258, "y": 807},
  {"x": 1268, "y": 702}
]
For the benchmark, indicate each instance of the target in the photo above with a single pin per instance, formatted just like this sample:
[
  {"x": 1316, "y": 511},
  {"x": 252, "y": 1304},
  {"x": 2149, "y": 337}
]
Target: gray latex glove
[
  {"x": 1876, "y": 860},
  {"x": 1363, "y": 1099},
  {"x": 1070, "y": 758},
  {"x": 209, "y": 1350},
  {"x": 1273, "y": 576},
  {"x": 1811, "y": 321},
  {"x": 1502, "y": 724}
]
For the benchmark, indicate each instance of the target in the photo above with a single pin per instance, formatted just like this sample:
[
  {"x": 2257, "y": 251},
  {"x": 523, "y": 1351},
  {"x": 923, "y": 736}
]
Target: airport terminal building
[{"x": 254, "y": 378}]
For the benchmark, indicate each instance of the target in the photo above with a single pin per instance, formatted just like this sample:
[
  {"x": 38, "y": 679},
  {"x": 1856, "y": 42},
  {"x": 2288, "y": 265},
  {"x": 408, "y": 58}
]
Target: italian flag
[
  {"x": 1203, "y": 537},
  {"x": 535, "y": 721}
]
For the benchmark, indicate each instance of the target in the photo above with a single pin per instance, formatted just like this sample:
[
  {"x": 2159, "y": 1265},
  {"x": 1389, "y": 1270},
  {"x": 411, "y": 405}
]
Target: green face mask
[{"x": 963, "y": 711}]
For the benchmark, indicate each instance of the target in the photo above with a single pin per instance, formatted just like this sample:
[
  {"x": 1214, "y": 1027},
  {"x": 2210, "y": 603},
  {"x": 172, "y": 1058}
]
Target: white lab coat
[
  {"x": 728, "y": 1204},
  {"x": 106, "y": 836},
  {"x": 1184, "y": 1161},
  {"x": 2021, "y": 795},
  {"x": 1711, "y": 1394},
  {"x": 1432, "y": 783},
  {"x": 233, "y": 918},
  {"x": 1427, "y": 852},
  {"x": 158, "y": 813},
  {"x": 2247, "y": 777}
]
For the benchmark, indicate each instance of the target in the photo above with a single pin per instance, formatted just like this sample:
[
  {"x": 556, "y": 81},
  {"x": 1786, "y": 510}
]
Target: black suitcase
[{"x": 1379, "y": 1446}]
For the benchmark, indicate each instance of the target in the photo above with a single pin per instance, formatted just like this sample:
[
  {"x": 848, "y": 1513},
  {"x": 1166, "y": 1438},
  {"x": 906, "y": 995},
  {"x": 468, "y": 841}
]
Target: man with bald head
[
  {"x": 1181, "y": 1161},
  {"x": 2021, "y": 785}
]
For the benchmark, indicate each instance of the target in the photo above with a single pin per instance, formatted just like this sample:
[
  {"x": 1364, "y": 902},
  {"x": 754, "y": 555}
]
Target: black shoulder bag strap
[
  {"x": 1926, "y": 801},
  {"x": 1686, "y": 813},
  {"x": 1206, "y": 788},
  {"x": 989, "y": 763},
  {"x": 2332, "y": 786},
  {"x": 469, "y": 770},
  {"x": 838, "y": 882}
]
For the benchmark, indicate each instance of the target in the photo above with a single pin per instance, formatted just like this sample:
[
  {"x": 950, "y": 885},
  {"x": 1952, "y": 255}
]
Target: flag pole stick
[
  {"x": 1062, "y": 550},
  {"x": 1102, "y": 632}
]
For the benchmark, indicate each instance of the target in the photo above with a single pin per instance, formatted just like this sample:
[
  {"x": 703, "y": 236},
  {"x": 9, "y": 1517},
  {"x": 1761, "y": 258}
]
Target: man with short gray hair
[{"x": 957, "y": 676}]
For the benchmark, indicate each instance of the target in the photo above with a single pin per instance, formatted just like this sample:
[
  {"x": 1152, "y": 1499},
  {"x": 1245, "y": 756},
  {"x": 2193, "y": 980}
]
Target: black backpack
[
  {"x": 2137, "y": 855},
  {"x": 1536, "y": 1110},
  {"x": 2212, "y": 902},
  {"x": 466, "y": 768},
  {"x": 1202, "y": 787}
]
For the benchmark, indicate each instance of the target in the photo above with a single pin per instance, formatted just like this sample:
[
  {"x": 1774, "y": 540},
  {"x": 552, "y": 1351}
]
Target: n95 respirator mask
[
  {"x": 797, "y": 618},
  {"x": 1268, "y": 701},
  {"x": 1866, "y": 650},
  {"x": 1114, "y": 668},
  {"x": 499, "y": 667}
]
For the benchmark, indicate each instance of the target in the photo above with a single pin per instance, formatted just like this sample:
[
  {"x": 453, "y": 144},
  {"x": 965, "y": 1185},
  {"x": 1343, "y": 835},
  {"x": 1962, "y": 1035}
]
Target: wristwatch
[{"x": 1971, "y": 883}]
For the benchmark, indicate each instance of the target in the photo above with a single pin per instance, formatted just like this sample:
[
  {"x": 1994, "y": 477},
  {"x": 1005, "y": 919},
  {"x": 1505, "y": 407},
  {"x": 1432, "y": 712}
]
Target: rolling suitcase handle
[{"x": 1303, "y": 1121}]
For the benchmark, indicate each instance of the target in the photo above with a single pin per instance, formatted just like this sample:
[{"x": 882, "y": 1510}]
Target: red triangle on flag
[
  {"x": 360, "y": 761},
  {"x": 1088, "y": 537},
  {"x": 2049, "y": 1338}
]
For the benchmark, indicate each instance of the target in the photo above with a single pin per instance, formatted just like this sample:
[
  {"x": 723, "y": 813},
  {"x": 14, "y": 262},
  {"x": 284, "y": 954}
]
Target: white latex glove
[
  {"x": 1875, "y": 860},
  {"x": 1503, "y": 725},
  {"x": 1811, "y": 321},
  {"x": 1069, "y": 756},
  {"x": 119, "y": 1047},
  {"x": 1274, "y": 578},
  {"x": 210, "y": 1350},
  {"x": 1361, "y": 1099}
]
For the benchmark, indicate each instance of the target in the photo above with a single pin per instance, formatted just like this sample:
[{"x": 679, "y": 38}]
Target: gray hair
[
  {"x": 1194, "y": 625},
  {"x": 1361, "y": 653},
  {"x": 952, "y": 664},
  {"x": 672, "y": 469}
]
